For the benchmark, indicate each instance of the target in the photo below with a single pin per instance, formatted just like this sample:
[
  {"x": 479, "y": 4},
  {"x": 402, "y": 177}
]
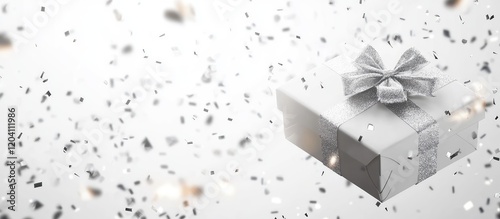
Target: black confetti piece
[
  {"x": 36, "y": 205},
  {"x": 38, "y": 184},
  {"x": 173, "y": 16}
]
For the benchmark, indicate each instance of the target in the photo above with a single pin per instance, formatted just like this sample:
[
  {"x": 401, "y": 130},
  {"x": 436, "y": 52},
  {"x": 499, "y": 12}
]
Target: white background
[{"x": 247, "y": 49}]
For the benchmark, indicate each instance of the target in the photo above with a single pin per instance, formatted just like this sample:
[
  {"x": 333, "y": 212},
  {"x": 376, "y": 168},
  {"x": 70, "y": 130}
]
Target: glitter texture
[{"x": 393, "y": 86}]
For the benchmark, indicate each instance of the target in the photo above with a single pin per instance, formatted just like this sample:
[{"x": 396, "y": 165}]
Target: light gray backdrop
[{"x": 203, "y": 74}]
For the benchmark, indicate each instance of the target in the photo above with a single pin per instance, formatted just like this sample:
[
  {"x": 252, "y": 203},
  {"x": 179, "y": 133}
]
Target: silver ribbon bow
[{"x": 393, "y": 86}]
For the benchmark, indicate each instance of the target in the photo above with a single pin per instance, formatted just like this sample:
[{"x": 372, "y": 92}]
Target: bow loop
[
  {"x": 392, "y": 86},
  {"x": 411, "y": 60}
]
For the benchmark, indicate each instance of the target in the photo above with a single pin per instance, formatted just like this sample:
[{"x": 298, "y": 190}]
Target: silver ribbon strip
[
  {"x": 330, "y": 121},
  {"x": 371, "y": 84},
  {"x": 428, "y": 135}
]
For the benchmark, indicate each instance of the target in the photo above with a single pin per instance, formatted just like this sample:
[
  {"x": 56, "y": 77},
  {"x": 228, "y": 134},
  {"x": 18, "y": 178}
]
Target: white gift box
[{"x": 377, "y": 150}]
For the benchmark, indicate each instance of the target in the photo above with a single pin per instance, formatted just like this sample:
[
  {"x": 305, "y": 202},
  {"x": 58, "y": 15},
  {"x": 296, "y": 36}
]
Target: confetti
[
  {"x": 468, "y": 205},
  {"x": 214, "y": 102},
  {"x": 174, "y": 16},
  {"x": 5, "y": 42},
  {"x": 38, "y": 184},
  {"x": 35, "y": 204}
]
